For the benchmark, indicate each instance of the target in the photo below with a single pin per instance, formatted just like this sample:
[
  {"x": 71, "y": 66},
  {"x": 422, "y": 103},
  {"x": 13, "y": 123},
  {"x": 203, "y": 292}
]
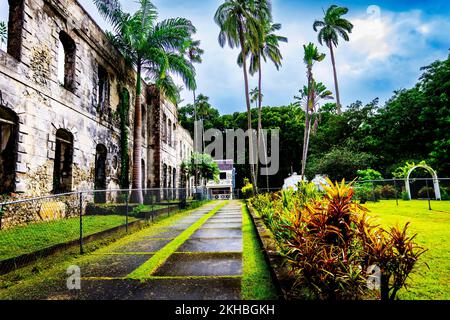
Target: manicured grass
[
  {"x": 37, "y": 280},
  {"x": 151, "y": 266},
  {"x": 256, "y": 280},
  {"x": 433, "y": 229},
  {"x": 26, "y": 239}
]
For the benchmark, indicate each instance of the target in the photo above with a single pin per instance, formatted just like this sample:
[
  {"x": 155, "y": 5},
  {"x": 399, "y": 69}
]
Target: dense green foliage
[
  {"x": 330, "y": 243},
  {"x": 201, "y": 166},
  {"x": 3, "y": 32},
  {"x": 412, "y": 126}
]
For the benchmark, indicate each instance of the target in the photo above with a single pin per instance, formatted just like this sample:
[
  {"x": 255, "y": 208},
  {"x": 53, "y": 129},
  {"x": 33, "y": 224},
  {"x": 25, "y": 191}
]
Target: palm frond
[{"x": 3, "y": 32}]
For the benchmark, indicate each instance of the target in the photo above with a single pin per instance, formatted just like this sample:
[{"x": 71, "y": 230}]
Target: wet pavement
[{"x": 208, "y": 265}]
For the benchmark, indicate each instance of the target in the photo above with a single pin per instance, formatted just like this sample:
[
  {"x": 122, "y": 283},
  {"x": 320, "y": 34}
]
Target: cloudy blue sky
[{"x": 390, "y": 42}]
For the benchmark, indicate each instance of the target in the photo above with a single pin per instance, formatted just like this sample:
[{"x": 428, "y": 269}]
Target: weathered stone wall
[
  {"x": 162, "y": 152},
  {"x": 30, "y": 87}
]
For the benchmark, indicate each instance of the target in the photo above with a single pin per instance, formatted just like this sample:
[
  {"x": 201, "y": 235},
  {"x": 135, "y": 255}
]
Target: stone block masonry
[{"x": 60, "y": 90}]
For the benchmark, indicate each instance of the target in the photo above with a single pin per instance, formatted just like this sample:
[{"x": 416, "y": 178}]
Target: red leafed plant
[{"x": 332, "y": 243}]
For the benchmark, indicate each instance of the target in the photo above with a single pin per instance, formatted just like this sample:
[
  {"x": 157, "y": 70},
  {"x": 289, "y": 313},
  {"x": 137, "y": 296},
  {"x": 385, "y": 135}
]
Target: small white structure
[
  {"x": 224, "y": 188},
  {"x": 320, "y": 181},
  {"x": 292, "y": 181},
  {"x": 437, "y": 190}
]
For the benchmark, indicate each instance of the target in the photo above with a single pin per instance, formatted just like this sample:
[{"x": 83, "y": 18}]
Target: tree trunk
[
  {"x": 336, "y": 85},
  {"x": 136, "y": 194},
  {"x": 260, "y": 118},
  {"x": 247, "y": 100},
  {"x": 310, "y": 101}
]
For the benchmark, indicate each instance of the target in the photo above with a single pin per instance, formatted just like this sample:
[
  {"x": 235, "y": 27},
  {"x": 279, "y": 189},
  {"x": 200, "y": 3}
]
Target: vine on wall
[{"x": 124, "y": 123}]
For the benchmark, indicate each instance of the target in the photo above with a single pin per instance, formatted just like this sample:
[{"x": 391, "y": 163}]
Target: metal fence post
[
  {"x": 81, "y": 223},
  {"x": 1, "y": 216},
  {"x": 126, "y": 213},
  {"x": 396, "y": 193},
  {"x": 428, "y": 196}
]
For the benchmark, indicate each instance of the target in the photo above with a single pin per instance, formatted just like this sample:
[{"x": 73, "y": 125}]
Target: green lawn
[
  {"x": 433, "y": 229},
  {"x": 256, "y": 279},
  {"x": 21, "y": 240}
]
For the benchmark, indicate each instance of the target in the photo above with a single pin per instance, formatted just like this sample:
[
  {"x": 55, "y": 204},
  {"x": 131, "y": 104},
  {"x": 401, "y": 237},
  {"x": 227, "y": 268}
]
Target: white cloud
[{"x": 385, "y": 52}]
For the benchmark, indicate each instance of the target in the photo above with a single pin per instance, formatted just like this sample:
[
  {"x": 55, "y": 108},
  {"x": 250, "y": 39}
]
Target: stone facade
[{"x": 61, "y": 86}]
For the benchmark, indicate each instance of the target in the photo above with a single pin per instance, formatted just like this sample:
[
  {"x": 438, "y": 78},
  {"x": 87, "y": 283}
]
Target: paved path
[{"x": 208, "y": 265}]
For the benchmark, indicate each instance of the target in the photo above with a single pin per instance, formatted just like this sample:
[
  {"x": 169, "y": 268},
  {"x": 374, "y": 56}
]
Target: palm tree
[
  {"x": 254, "y": 95},
  {"x": 194, "y": 54},
  {"x": 333, "y": 26},
  {"x": 239, "y": 27},
  {"x": 154, "y": 49},
  {"x": 3, "y": 33},
  {"x": 320, "y": 92},
  {"x": 268, "y": 47},
  {"x": 311, "y": 56}
]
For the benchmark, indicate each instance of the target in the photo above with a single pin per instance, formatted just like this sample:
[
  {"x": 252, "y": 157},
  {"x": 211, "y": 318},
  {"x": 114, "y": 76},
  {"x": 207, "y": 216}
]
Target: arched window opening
[
  {"x": 103, "y": 90},
  {"x": 66, "y": 61},
  {"x": 8, "y": 149},
  {"x": 164, "y": 128},
  {"x": 15, "y": 27},
  {"x": 101, "y": 154},
  {"x": 143, "y": 173},
  {"x": 170, "y": 133},
  {"x": 62, "y": 173}
]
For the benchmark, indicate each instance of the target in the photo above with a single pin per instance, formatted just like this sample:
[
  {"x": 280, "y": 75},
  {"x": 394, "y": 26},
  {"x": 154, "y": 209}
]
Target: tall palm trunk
[
  {"x": 247, "y": 101},
  {"x": 307, "y": 121},
  {"x": 196, "y": 182},
  {"x": 136, "y": 194},
  {"x": 260, "y": 135},
  {"x": 336, "y": 85}
]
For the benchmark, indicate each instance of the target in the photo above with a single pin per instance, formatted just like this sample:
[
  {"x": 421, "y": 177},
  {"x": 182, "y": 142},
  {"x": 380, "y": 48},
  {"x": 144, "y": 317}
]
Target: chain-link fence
[
  {"x": 389, "y": 189},
  {"x": 37, "y": 227},
  {"x": 401, "y": 189}
]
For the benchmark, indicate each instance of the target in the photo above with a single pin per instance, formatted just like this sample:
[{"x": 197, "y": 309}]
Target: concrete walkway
[{"x": 208, "y": 265}]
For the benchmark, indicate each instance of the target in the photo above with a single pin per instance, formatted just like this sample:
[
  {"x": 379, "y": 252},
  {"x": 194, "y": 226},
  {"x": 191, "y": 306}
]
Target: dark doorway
[
  {"x": 100, "y": 173},
  {"x": 62, "y": 171},
  {"x": 8, "y": 150}
]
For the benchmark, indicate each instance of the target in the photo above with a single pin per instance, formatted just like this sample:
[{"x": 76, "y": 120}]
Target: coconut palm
[
  {"x": 254, "y": 95},
  {"x": 194, "y": 54},
  {"x": 155, "y": 50},
  {"x": 331, "y": 28},
  {"x": 319, "y": 93},
  {"x": 240, "y": 27},
  {"x": 3, "y": 32},
  {"x": 267, "y": 48},
  {"x": 311, "y": 56}
]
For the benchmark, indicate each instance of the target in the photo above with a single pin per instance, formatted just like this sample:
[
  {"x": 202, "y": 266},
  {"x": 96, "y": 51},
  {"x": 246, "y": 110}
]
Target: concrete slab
[
  {"x": 145, "y": 245},
  {"x": 113, "y": 266},
  {"x": 186, "y": 289},
  {"x": 180, "y": 226},
  {"x": 204, "y": 264},
  {"x": 212, "y": 245},
  {"x": 218, "y": 233},
  {"x": 225, "y": 220},
  {"x": 215, "y": 225},
  {"x": 165, "y": 234}
]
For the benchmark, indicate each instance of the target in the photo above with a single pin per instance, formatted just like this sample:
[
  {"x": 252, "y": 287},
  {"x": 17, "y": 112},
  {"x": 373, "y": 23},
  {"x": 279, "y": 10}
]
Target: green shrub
[
  {"x": 444, "y": 194},
  {"x": 405, "y": 196},
  {"x": 330, "y": 243},
  {"x": 369, "y": 174},
  {"x": 388, "y": 192},
  {"x": 426, "y": 192},
  {"x": 363, "y": 192},
  {"x": 247, "y": 189}
]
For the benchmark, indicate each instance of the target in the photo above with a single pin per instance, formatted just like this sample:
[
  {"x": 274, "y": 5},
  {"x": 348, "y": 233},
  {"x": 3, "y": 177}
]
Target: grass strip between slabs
[
  {"x": 146, "y": 270},
  {"x": 256, "y": 279}
]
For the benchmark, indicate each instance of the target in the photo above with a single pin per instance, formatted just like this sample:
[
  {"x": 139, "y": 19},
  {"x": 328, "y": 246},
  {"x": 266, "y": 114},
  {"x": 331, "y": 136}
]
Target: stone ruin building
[{"x": 66, "y": 101}]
